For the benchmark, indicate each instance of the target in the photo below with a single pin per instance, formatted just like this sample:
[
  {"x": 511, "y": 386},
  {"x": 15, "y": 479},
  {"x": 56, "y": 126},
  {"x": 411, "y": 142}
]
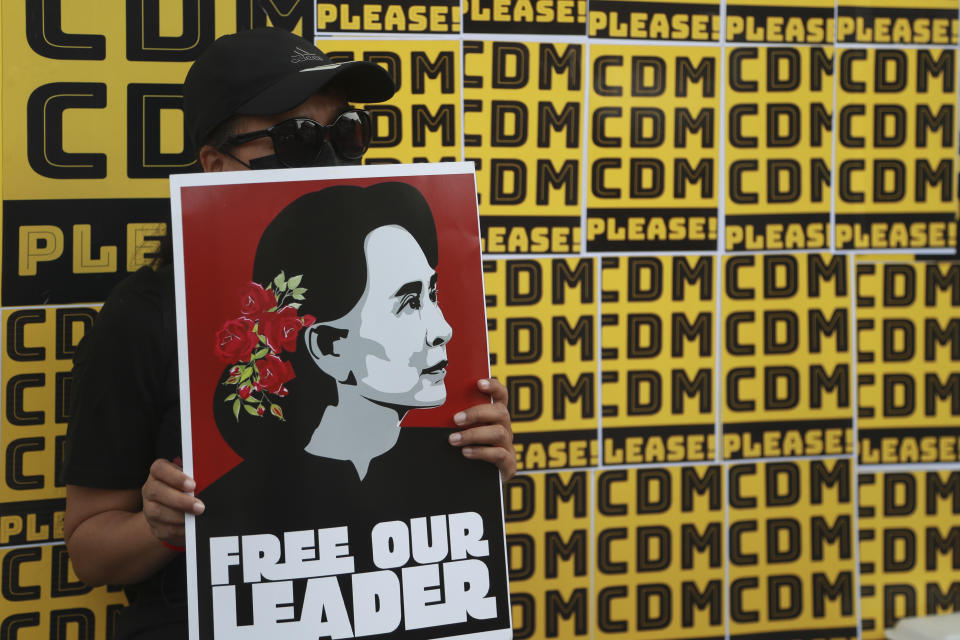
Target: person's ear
[
  {"x": 325, "y": 345},
  {"x": 211, "y": 159}
]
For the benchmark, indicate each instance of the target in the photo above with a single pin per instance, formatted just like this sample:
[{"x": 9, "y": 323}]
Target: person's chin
[{"x": 430, "y": 395}]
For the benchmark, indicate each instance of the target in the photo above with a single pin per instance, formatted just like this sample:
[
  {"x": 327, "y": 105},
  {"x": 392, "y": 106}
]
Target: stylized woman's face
[{"x": 397, "y": 336}]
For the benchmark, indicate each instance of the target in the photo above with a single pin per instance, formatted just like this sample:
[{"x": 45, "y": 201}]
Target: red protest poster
[{"x": 330, "y": 324}]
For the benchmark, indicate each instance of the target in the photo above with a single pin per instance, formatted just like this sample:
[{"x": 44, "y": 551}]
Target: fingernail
[
  {"x": 484, "y": 384},
  {"x": 198, "y": 507},
  {"x": 467, "y": 451},
  {"x": 460, "y": 418},
  {"x": 189, "y": 485},
  {"x": 455, "y": 438}
]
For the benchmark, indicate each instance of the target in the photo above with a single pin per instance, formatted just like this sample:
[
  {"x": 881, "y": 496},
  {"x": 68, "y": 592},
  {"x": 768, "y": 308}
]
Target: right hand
[{"x": 166, "y": 498}]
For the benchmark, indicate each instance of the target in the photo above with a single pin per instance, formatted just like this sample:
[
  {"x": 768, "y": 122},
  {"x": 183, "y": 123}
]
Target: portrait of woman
[
  {"x": 340, "y": 334},
  {"x": 366, "y": 338}
]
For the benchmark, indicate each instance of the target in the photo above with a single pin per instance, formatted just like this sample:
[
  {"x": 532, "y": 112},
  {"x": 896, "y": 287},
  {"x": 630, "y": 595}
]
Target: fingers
[
  {"x": 164, "y": 495},
  {"x": 483, "y": 414},
  {"x": 495, "y": 388},
  {"x": 492, "y": 443},
  {"x": 170, "y": 474},
  {"x": 165, "y": 501},
  {"x": 504, "y": 458},
  {"x": 489, "y": 435}
]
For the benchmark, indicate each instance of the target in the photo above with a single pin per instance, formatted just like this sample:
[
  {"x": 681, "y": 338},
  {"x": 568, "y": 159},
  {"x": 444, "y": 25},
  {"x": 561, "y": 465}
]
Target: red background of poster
[{"x": 221, "y": 227}]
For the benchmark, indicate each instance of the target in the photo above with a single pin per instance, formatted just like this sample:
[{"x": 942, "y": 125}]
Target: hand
[
  {"x": 488, "y": 435},
  {"x": 166, "y": 498}
]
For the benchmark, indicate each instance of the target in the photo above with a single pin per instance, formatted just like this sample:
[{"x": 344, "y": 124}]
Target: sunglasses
[{"x": 298, "y": 142}]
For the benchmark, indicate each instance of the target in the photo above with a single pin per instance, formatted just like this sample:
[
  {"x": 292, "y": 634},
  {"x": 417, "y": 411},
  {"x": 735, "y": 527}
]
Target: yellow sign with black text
[
  {"x": 927, "y": 22},
  {"x": 516, "y": 17},
  {"x": 804, "y": 22},
  {"x": 542, "y": 334},
  {"x": 657, "y": 344},
  {"x": 44, "y": 599},
  {"x": 548, "y": 524},
  {"x": 523, "y": 108},
  {"x": 896, "y": 149},
  {"x": 652, "y": 155},
  {"x": 908, "y": 346},
  {"x": 686, "y": 20},
  {"x": 909, "y": 546},
  {"x": 792, "y": 553},
  {"x": 786, "y": 358},
  {"x": 779, "y": 102},
  {"x": 39, "y": 344},
  {"x": 388, "y": 18},
  {"x": 660, "y": 543},
  {"x": 422, "y": 121}
]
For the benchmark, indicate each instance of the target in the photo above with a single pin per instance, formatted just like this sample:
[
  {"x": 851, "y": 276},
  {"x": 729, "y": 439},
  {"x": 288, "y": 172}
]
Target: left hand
[{"x": 487, "y": 434}]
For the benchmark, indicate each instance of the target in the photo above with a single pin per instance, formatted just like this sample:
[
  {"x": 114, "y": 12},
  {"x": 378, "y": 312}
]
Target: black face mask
[{"x": 328, "y": 157}]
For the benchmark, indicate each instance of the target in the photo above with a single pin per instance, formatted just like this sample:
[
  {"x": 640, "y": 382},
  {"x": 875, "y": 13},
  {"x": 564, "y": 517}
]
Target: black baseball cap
[{"x": 265, "y": 71}]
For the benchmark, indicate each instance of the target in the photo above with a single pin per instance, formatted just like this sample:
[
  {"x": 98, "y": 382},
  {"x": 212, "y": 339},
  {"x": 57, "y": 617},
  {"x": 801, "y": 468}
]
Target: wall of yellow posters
[{"x": 720, "y": 289}]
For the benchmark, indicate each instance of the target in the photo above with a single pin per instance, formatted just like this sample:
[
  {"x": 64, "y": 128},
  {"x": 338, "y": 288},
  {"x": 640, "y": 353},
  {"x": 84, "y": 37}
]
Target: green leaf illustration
[
  {"x": 298, "y": 296},
  {"x": 260, "y": 353},
  {"x": 247, "y": 372},
  {"x": 294, "y": 281},
  {"x": 251, "y": 410},
  {"x": 230, "y": 397},
  {"x": 236, "y": 408}
]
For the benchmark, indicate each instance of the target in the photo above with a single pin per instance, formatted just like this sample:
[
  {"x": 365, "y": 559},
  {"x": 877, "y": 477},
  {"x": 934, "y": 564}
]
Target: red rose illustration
[
  {"x": 282, "y": 327},
  {"x": 274, "y": 373},
  {"x": 244, "y": 391},
  {"x": 256, "y": 300},
  {"x": 236, "y": 340}
]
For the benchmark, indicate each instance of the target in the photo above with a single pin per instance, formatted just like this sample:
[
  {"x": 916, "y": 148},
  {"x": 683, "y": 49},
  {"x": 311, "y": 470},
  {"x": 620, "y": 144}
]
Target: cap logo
[{"x": 301, "y": 55}]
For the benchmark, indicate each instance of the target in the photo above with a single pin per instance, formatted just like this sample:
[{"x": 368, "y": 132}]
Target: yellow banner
[
  {"x": 792, "y": 551},
  {"x": 660, "y": 553},
  {"x": 652, "y": 155},
  {"x": 908, "y": 344},
  {"x": 542, "y": 333},
  {"x": 779, "y": 102},
  {"x": 548, "y": 547},
  {"x": 658, "y": 333},
  {"x": 43, "y": 598},
  {"x": 909, "y": 546},
  {"x": 787, "y": 356}
]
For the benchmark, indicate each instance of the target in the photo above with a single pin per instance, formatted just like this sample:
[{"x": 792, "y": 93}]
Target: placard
[{"x": 315, "y": 393}]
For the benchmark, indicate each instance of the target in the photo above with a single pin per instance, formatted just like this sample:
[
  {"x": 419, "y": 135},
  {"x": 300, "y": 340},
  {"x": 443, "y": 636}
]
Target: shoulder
[
  {"x": 144, "y": 290},
  {"x": 142, "y": 299},
  {"x": 135, "y": 320}
]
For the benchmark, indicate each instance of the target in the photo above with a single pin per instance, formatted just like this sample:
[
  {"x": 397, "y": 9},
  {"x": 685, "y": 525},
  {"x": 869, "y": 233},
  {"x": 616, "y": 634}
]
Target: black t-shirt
[
  {"x": 125, "y": 413},
  {"x": 421, "y": 476}
]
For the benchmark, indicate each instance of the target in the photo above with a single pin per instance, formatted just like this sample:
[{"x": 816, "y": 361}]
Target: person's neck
[{"x": 355, "y": 429}]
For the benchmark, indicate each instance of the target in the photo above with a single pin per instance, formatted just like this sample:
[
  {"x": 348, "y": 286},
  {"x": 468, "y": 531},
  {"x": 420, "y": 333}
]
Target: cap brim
[{"x": 362, "y": 81}]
